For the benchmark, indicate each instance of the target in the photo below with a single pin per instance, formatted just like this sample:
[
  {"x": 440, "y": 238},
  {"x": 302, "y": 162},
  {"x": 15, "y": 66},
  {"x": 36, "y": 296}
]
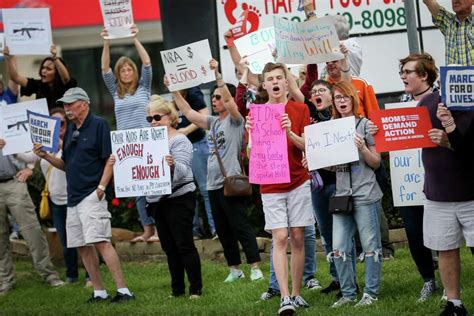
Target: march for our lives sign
[
  {"x": 44, "y": 130},
  {"x": 457, "y": 87}
]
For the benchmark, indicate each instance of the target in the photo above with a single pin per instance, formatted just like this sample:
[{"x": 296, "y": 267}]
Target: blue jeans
[
  {"x": 199, "y": 167},
  {"x": 59, "y": 214},
  {"x": 141, "y": 207},
  {"x": 365, "y": 219},
  {"x": 310, "y": 264}
]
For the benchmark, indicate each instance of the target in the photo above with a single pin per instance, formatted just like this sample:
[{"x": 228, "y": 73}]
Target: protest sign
[
  {"x": 188, "y": 66},
  {"x": 118, "y": 17},
  {"x": 406, "y": 171},
  {"x": 402, "y": 128},
  {"x": 310, "y": 42},
  {"x": 457, "y": 87},
  {"x": 257, "y": 47},
  {"x": 44, "y": 130},
  {"x": 140, "y": 168},
  {"x": 330, "y": 143},
  {"x": 2, "y": 41},
  {"x": 15, "y": 128},
  {"x": 268, "y": 162},
  {"x": 27, "y": 31}
]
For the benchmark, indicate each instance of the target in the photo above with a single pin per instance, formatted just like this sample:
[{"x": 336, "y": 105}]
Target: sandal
[
  {"x": 137, "y": 239},
  {"x": 153, "y": 239}
]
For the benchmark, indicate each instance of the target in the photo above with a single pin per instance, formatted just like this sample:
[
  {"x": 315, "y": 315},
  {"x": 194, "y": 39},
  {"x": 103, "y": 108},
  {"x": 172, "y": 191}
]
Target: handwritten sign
[
  {"x": 309, "y": 42},
  {"x": 330, "y": 143},
  {"x": 258, "y": 47},
  {"x": 188, "y": 66},
  {"x": 402, "y": 128},
  {"x": 27, "y": 31},
  {"x": 118, "y": 17},
  {"x": 44, "y": 130},
  {"x": 2, "y": 41},
  {"x": 15, "y": 128},
  {"x": 457, "y": 87},
  {"x": 406, "y": 171},
  {"x": 140, "y": 168},
  {"x": 269, "y": 154}
]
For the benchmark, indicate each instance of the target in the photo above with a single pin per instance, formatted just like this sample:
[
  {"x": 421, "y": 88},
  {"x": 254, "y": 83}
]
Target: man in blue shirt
[{"x": 86, "y": 153}]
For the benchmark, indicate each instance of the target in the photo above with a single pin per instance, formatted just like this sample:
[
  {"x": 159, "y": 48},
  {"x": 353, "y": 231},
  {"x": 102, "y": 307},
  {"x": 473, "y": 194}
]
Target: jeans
[
  {"x": 199, "y": 167},
  {"x": 310, "y": 263},
  {"x": 141, "y": 207},
  {"x": 365, "y": 220},
  {"x": 59, "y": 213}
]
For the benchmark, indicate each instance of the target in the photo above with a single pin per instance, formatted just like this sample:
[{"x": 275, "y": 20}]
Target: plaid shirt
[{"x": 459, "y": 37}]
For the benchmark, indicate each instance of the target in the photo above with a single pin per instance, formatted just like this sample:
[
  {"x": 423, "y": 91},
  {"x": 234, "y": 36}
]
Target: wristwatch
[{"x": 101, "y": 187}]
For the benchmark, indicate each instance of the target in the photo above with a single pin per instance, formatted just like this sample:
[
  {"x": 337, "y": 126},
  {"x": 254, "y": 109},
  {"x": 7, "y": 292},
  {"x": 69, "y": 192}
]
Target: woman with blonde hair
[{"x": 131, "y": 95}]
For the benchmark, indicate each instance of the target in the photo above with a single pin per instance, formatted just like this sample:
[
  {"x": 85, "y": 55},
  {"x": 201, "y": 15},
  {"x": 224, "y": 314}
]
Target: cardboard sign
[
  {"x": 118, "y": 17},
  {"x": 140, "y": 168},
  {"x": 269, "y": 154},
  {"x": 457, "y": 87},
  {"x": 44, "y": 130},
  {"x": 330, "y": 143},
  {"x": 188, "y": 66},
  {"x": 309, "y": 42},
  {"x": 27, "y": 31},
  {"x": 14, "y": 127},
  {"x": 407, "y": 173},
  {"x": 402, "y": 128}
]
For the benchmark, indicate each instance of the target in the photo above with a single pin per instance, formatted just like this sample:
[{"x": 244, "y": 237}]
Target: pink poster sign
[{"x": 269, "y": 154}]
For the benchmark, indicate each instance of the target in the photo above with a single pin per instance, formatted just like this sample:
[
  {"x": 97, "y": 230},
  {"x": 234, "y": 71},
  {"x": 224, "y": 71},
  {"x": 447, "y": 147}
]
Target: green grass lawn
[{"x": 150, "y": 281}]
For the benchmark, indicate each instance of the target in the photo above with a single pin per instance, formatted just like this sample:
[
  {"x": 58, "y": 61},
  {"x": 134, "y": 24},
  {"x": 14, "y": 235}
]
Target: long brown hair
[
  {"x": 348, "y": 89},
  {"x": 122, "y": 89}
]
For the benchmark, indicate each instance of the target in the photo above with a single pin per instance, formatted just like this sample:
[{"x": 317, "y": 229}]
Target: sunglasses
[
  {"x": 156, "y": 117},
  {"x": 217, "y": 96},
  {"x": 75, "y": 136}
]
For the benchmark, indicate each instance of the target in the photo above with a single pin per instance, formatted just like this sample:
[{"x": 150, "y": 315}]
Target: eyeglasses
[
  {"x": 339, "y": 98},
  {"x": 75, "y": 136},
  {"x": 217, "y": 96},
  {"x": 406, "y": 72},
  {"x": 156, "y": 117},
  {"x": 318, "y": 91}
]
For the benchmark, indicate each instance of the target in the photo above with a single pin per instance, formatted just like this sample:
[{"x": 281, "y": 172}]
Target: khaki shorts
[
  {"x": 289, "y": 209},
  {"x": 88, "y": 222}
]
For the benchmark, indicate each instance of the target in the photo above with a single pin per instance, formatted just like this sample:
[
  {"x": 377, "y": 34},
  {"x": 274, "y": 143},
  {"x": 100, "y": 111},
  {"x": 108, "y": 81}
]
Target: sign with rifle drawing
[
  {"x": 27, "y": 31},
  {"x": 14, "y": 127}
]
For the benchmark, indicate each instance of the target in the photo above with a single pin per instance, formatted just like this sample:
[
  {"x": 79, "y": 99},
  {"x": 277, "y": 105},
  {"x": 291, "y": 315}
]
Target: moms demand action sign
[{"x": 402, "y": 129}]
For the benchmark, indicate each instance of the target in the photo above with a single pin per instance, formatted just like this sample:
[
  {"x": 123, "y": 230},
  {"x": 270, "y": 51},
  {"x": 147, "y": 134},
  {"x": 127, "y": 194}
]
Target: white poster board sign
[
  {"x": 15, "y": 127},
  {"x": 44, "y": 130},
  {"x": 188, "y": 66},
  {"x": 330, "y": 143},
  {"x": 309, "y": 42},
  {"x": 140, "y": 168},
  {"x": 2, "y": 44},
  {"x": 406, "y": 171},
  {"x": 27, "y": 31},
  {"x": 258, "y": 47},
  {"x": 118, "y": 17}
]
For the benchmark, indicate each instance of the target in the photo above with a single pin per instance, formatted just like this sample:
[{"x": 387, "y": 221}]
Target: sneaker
[
  {"x": 428, "y": 288},
  {"x": 71, "y": 280},
  {"x": 343, "y": 301},
  {"x": 298, "y": 302},
  {"x": 232, "y": 277},
  {"x": 214, "y": 236},
  {"x": 256, "y": 274},
  {"x": 286, "y": 306},
  {"x": 270, "y": 293},
  {"x": 366, "y": 300},
  {"x": 96, "y": 299},
  {"x": 120, "y": 297},
  {"x": 56, "y": 282},
  {"x": 194, "y": 296},
  {"x": 388, "y": 257},
  {"x": 451, "y": 310},
  {"x": 313, "y": 284},
  {"x": 334, "y": 286},
  {"x": 14, "y": 236}
]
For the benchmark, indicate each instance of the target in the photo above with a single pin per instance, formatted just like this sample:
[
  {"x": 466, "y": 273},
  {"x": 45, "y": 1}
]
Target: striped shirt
[
  {"x": 130, "y": 111},
  {"x": 459, "y": 37},
  {"x": 182, "y": 151}
]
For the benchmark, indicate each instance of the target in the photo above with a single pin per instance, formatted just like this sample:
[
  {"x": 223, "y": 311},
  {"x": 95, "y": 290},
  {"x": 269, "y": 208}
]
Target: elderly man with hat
[{"x": 86, "y": 151}]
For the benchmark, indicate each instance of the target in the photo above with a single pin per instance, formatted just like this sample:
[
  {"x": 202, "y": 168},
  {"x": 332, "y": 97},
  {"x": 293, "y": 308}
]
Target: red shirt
[{"x": 299, "y": 117}]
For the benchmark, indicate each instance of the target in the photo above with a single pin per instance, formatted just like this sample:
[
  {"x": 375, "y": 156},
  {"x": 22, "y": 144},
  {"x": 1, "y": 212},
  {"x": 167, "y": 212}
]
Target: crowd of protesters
[{"x": 80, "y": 173}]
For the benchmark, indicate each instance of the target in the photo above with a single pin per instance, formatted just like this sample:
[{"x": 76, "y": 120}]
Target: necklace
[{"x": 415, "y": 95}]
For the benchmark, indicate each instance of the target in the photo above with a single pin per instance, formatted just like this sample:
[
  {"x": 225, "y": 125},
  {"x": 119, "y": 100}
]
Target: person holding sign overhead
[
  {"x": 131, "y": 94},
  {"x": 226, "y": 133},
  {"x": 357, "y": 179}
]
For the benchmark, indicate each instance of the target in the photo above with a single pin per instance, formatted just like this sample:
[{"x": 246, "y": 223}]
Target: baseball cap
[{"x": 73, "y": 95}]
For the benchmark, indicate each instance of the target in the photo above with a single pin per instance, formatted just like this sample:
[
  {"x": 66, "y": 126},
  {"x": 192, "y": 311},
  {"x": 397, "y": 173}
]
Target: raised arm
[
  {"x": 309, "y": 9},
  {"x": 433, "y": 6},
  {"x": 60, "y": 67},
  {"x": 345, "y": 66},
  {"x": 51, "y": 158},
  {"x": 144, "y": 57},
  {"x": 10, "y": 62},
  {"x": 229, "y": 102},
  {"x": 293, "y": 87},
  {"x": 105, "y": 59}
]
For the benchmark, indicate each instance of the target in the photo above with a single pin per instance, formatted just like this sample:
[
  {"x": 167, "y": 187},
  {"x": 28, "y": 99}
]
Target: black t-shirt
[
  {"x": 195, "y": 99},
  {"x": 43, "y": 90}
]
